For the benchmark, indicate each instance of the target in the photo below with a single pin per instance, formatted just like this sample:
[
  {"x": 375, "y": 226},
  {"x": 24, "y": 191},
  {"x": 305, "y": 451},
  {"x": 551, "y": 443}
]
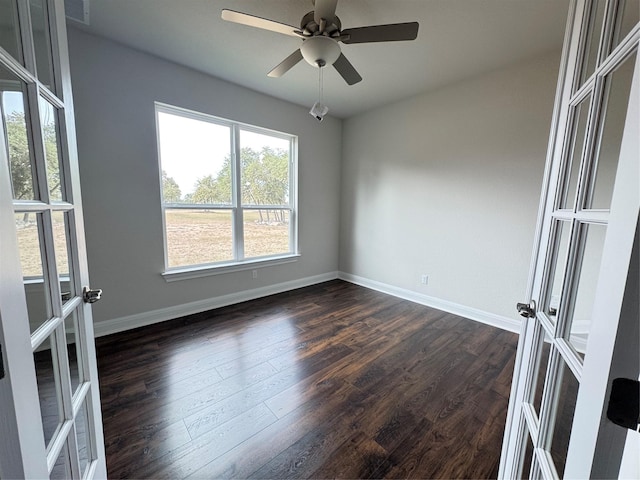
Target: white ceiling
[{"x": 457, "y": 39}]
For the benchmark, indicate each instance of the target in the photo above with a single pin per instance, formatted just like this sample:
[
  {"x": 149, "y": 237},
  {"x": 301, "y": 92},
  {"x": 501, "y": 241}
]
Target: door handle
[
  {"x": 624, "y": 403},
  {"x": 91, "y": 296},
  {"x": 527, "y": 310}
]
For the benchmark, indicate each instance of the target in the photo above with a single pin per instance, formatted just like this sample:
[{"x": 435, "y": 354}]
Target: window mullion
[{"x": 238, "y": 227}]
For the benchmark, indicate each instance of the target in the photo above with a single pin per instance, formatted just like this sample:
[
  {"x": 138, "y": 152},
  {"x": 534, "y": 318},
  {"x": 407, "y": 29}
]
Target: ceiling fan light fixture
[{"x": 320, "y": 51}]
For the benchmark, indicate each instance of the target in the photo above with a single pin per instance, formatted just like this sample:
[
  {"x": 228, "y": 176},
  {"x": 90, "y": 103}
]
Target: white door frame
[
  {"x": 18, "y": 423},
  {"x": 622, "y": 222},
  {"x": 22, "y": 447}
]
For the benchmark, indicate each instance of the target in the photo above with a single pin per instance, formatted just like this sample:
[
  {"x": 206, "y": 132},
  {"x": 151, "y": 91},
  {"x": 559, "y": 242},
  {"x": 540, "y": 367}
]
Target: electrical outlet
[
  {"x": 254, "y": 273},
  {"x": 424, "y": 279}
]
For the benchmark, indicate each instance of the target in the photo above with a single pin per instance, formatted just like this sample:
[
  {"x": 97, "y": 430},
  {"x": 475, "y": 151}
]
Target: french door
[
  {"x": 587, "y": 223},
  {"x": 50, "y": 417}
]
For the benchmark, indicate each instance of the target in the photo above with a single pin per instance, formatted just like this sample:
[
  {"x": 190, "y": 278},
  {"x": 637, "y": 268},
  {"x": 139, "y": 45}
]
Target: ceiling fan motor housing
[{"x": 310, "y": 27}]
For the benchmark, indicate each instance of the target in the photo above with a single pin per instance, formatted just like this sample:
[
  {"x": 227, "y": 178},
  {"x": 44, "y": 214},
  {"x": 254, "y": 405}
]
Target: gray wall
[
  {"x": 114, "y": 92},
  {"x": 447, "y": 184}
]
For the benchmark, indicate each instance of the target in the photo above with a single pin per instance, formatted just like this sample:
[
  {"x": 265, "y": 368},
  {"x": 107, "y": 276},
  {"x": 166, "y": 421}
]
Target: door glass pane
[
  {"x": 574, "y": 155},
  {"x": 197, "y": 237},
  {"x": 28, "y": 226},
  {"x": 9, "y": 28},
  {"x": 195, "y": 158},
  {"x": 41, "y": 41},
  {"x": 48, "y": 118},
  {"x": 265, "y": 169},
  {"x": 557, "y": 267},
  {"x": 585, "y": 290},
  {"x": 48, "y": 390},
  {"x": 266, "y": 232},
  {"x": 619, "y": 86},
  {"x": 62, "y": 468},
  {"x": 62, "y": 247},
  {"x": 628, "y": 16},
  {"x": 566, "y": 401},
  {"x": 73, "y": 351},
  {"x": 528, "y": 457},
  {"x": 13, "y": 107},
  {"x": 538, "y": 386},
  {"x": 82, "y": 436},
  {"x": 591, "y": 48}
]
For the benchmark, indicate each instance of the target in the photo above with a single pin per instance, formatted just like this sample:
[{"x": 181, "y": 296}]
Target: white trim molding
[
  {"x": 129, "y": 322},
  {"x": 107, "y": 327},
  {"x": 471, "y": 313}
]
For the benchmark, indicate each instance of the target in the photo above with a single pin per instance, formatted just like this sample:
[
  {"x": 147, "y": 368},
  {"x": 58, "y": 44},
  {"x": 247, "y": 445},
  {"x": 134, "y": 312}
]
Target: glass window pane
[
  {"x": 83, "y": 437},
  {"x": 49, "y": 120},
  {"x": 265, "y": 169},
  {"x": 266, "y": 232},
  {"x": 585, "y": 288},
  {"x": 198, "y": 236},
  {"x": 195, "y": 158},
  {"x": 61, "y": 243},
  {"x": 628, "y": 16},
  {"x": 73, "y": 351},
  {"x": 557, "y": 267},
  {"x": 574, "y": 156},
  {"x": 619, "y": 86},
  {"x": 13, "y": 107},
  {"x": 48, "y": 390},
  {"x": 527, "y": 465},
  {"x": 62, "y": 468},
  {"x": 41, "y": 41},
  {"x": 566, "y": 400},
  {"x": 9, "y": 28},
  {"x": 28, "y": 226},
  {"x": 591, "y": 48},
  {"x": 538, "y": 387}
]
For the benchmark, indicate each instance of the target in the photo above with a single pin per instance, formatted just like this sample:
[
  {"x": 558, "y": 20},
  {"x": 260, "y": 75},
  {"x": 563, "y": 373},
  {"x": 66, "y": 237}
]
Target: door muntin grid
[
  {"x": 59, "y": 338},
  {"x": 554, "y": 322}
]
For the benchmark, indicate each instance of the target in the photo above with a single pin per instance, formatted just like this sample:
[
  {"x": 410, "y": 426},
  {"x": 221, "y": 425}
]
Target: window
[{"x": 228, "y": 191}]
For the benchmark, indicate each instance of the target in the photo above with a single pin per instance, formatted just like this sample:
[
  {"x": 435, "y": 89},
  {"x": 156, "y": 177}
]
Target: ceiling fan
[{"x": 321, "y": 31}]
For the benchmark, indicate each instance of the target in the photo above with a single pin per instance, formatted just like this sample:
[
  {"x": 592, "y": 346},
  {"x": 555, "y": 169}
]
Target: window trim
[{"x": 236, "y": 207}]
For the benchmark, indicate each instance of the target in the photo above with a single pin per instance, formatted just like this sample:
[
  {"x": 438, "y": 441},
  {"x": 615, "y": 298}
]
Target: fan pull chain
[{"x": 320, "y": 85}]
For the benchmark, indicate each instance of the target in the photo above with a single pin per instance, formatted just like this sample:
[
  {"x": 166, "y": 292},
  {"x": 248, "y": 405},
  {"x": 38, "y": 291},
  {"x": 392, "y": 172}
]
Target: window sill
[{"x": 185, "y": 273}]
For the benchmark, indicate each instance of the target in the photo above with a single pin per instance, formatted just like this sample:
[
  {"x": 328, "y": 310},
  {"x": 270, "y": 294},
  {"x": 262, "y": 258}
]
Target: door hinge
[
  {"x": 527, "y": 310},
  {"x": 624, "y": 403}
]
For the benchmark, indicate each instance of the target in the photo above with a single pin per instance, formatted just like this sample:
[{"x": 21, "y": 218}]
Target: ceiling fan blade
[
  {"x": 286, "y": 64},
  {"x": 258, "y": 22},
  {"x": 325, "y": 9},
  {"x": 382, "y": 33},
  {"x": 346, "y": 70}
]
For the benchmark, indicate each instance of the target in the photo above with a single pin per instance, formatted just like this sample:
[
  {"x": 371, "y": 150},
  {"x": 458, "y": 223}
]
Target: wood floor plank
[
  {"x": 244, "y": 459},
  {"x": 187, "y": 458},
  {"x": 328, "y": 381}
]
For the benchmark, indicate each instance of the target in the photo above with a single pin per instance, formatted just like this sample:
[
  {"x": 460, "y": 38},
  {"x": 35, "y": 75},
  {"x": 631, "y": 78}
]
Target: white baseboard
[
  {"x": 129, "y": 322},
  {"x": 488, "y": 318}
]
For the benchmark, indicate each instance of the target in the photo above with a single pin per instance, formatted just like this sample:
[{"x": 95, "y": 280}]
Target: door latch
[
  {"x": 91, "y": 296},
  {"x": 624, "y": 403},
  {"x": 527, "y": 310}
]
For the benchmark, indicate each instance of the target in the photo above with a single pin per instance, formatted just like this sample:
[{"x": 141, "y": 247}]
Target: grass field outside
[
  {"x": 194, "y": 237},
  {"x": 197, "y": 237},
  {"x": 29, "y": 244}
]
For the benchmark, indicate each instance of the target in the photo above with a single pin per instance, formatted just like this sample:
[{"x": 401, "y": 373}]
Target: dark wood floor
[{"x": 328, "y": 381}]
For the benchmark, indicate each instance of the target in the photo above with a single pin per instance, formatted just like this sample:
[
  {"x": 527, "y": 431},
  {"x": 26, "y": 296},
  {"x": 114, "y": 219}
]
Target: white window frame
[{"x": 236, "y": 207}]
